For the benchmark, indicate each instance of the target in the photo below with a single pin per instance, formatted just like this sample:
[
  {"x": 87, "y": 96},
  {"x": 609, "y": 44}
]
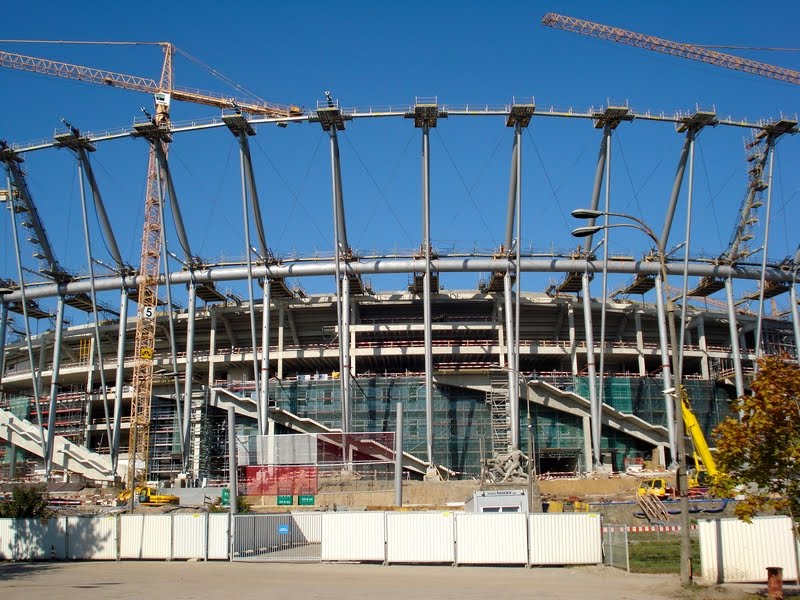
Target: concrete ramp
[
  {"x": 544, "y": 394},
  {"x": 70, "y": 457},
  {"x": 223, "y": 398}
]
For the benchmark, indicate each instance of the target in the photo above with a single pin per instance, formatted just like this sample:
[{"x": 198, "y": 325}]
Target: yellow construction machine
[{"x": 147, "y": 496}]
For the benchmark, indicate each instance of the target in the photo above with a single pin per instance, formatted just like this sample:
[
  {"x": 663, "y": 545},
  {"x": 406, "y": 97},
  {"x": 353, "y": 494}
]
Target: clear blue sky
[{"x": 376, "y": 54}]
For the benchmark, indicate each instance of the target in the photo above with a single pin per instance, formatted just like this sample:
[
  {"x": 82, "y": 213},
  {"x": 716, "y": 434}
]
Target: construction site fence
[
  {"x": 442, "y": 537},
  {"x": 732, "y": 551},
  {"x": 615, "y": 547}
]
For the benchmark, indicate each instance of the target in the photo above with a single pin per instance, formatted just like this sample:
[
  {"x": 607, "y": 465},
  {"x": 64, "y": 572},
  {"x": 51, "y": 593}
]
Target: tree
[
  {"x": 759, "y": 455},
  {"x": 26, "y": 501}
]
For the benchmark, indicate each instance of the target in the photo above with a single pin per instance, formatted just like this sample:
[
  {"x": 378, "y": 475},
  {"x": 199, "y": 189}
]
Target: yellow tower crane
[
  {"x": 680, "y": 49},
  {"x": 164, "y": 91}
]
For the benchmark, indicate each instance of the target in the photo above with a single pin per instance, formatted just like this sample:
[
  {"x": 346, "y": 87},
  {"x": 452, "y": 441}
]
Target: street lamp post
[{"x": 680, "y": 475}]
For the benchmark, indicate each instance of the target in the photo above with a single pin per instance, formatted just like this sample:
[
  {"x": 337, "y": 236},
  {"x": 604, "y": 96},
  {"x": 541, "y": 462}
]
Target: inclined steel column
[
  {"x": 597, "y": 424},
  {"x": 595, "y": 408},
  {"x": 342, "y": 283},
  {"x": 23, "y": 297},
  {"x": 598, "y": 181},
  {"x": 795, "y": 318},
  {"x": 82, "y": 159},
  {"x": 426, "y": 289},
  {"x": 734, "y": 333},
  {"x": 517, "y": 288},
  {"x": 51, "y": 415},
  {"x": 762, "y": 282},
  {"x": 250, "y": 296},
  {"x": 170, "y": 317},
  {"x": 676, "y": 189},
  {"x": 666, "y": 370},
  {"x": 119, "y": 380},
  {"x": 687, "y": 239},
  {"x": 511, "y": 334},
  {"x": 398, "y": 455},
  {"x": 189, "y": 373},
  {"x": 264, "y": 398},
  {"x": 587, "y": 324},
  {"x": 3, "y": 325}
]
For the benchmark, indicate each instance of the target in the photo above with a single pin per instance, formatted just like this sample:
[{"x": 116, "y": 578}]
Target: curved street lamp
[{"x": 680, "y": 475}]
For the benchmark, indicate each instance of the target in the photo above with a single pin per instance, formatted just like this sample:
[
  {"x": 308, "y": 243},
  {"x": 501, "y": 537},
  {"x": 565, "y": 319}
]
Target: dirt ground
[{"x": 219, "y": 580}]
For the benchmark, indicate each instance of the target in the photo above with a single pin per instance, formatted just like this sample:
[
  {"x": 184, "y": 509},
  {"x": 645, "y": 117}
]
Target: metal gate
[
  {"x": 615, "y": 546},
  {"x": 283, "y": 538}
]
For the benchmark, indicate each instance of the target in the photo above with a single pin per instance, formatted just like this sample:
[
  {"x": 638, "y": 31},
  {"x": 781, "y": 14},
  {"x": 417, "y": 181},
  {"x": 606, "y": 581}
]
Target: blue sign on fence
[{"x": 283, "y": 529}]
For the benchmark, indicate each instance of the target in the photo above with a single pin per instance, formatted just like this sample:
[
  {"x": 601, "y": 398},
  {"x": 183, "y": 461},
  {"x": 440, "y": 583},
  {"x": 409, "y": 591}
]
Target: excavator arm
[{"x": 696, "y": 434}]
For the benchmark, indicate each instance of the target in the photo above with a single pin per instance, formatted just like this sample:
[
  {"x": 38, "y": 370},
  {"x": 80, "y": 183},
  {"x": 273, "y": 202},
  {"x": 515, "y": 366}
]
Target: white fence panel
[
  {"x": 7, "y": 530},
  {"x": 353, "y": 536},
  {"x": 565, "y": 539},
  {"x": 420, "y": 537},
  {"x": 39, "y": 539},
  {"x": 734, "y": 551},
  {"x": 218, "y": 536},
  {"x": 145, "y": 536},
  {"x": 92, "y": 538},
  {"x": 310, "y": 525},
  {"x": 189, "y": 535},
  {"x": 490, "y": 539}
]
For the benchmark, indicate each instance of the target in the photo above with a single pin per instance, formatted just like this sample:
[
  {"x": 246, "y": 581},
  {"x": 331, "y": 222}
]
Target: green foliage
[
  {"x": 26, "y": 501},
  {"x": 658, "y": 552},
  {"x": 759, "y": 456}
]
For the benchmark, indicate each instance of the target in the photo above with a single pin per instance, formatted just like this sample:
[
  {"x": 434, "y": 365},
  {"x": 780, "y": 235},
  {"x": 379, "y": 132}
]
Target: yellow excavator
[{"x": 147, "y": 496}]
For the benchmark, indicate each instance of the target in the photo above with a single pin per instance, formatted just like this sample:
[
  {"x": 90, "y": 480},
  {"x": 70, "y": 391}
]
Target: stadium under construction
[{"x": 578, "y": 379}]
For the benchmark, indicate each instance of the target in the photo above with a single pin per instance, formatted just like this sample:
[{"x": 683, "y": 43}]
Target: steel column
[
  {"x": 685, "y": 287},
  {"x": 119, "y": 380},
  {"x": 3, "y": 326},
  {"x": 666, "y": 370},
  {"x": 189, "y": 374},
  {"x": 771, "y": 152},
  {"x": 51, "y": 415},
  {"x": 93, "y": 293},
  {"x": 587, "y": 324},
  {"x": 426, "y": 289},
  {"x": 734, "y": 333},
  {"x": 261, "y": 418},
  {"x": 676, "y": 189},
  {"x": 264, "y": 397},
  {"x": 597, "y": 424},
  {"x": 398, "y": 456}
]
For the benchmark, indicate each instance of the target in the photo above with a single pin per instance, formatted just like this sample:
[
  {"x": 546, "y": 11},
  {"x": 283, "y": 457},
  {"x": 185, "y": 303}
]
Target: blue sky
[{"x": 377, "y": 54}]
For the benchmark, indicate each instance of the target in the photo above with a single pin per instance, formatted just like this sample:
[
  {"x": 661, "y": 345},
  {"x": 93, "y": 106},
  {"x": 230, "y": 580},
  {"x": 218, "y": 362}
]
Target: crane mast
[
  {"x": 144, "y": 342},
  {"x": 157, "y": 133},
  {"x": 649, "y": 42}
]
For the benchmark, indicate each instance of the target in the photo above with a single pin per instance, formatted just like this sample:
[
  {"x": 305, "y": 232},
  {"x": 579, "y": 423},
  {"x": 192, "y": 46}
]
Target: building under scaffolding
[{"x": 579, "y": 381}]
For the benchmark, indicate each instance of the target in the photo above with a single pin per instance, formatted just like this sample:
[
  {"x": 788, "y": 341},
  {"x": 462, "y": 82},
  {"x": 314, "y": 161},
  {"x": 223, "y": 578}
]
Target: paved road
[{"x": 222, "y": 580}]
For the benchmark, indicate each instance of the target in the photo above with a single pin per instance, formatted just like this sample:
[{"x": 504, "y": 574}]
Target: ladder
[{"x": 499, "y": 410}]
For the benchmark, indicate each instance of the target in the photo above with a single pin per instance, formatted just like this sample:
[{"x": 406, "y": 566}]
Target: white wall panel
[
  {"x": 7, "y": 530},
  {"x": 189, "y": 535},
  {"x": 734, "y": 551},
  {"x": 424, "y": 537},
  {"x": 218, "y": 536},
  {"x": 37, "y": 539},
  {"x": 92, "y": 538},
  {"x": 309, "y": 525},
  {"x": 565, "y": 539},
  {"x": 488, "y": 538},
  {"x": 145, "y": 536},
  {"x": 353, "y": 536}
]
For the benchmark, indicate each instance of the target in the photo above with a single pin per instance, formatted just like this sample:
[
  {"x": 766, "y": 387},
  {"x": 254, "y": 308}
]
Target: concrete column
[
  {"x": 587, "y": 443},
  {"x": 637, "y": 318},
  {"x": 212, "y": 348},
  {"x": 281, "y": 321},
  {"x": 701, "y": 340},
  {"x": 573, "y": 346}
]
